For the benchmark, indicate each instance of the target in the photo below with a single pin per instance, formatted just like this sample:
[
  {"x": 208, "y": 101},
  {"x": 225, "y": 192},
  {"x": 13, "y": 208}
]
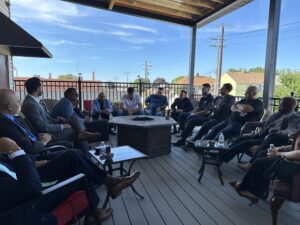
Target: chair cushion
[
  {"x": 71, "y": 207},
  {"x": 281, "y": 189}
]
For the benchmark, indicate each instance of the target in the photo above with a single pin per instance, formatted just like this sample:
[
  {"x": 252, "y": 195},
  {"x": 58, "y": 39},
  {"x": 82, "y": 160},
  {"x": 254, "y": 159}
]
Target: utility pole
[
  {"x": 147, "y": 68},
  {"x": 127, "y": 76},
  {"x": 219, "y": 45}
]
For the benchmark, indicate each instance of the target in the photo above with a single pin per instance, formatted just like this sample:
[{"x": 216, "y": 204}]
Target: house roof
[
  {"x": 185, "y": 12},
  {"x": 247, "y": 77},
  {"x": 198, "y": 80}
]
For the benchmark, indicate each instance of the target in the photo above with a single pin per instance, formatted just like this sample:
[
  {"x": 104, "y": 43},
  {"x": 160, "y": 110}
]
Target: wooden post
[
  {"x": 192, "y": 61},
  {"x": 271, "y": 53}
]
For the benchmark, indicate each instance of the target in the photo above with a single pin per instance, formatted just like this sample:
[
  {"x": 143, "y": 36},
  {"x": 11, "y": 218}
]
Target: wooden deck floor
[{"x": 173, "y": 196}]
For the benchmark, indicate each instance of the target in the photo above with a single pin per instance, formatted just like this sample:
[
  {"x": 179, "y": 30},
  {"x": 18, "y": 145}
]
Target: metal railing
[{"x": 89, "y": 90}]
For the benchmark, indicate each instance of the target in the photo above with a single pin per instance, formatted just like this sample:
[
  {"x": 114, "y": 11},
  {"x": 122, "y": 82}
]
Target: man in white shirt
[{"x": 131, "y": 103}]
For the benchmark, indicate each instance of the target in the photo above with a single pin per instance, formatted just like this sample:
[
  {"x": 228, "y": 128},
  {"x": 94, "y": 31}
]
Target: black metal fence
[{"x": 89, "y": 90}]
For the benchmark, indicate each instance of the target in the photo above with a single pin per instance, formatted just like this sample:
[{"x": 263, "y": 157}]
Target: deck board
[{"x": 172, "y": 196}]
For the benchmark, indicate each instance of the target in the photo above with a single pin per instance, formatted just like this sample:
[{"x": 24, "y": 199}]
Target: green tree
[
  {"x": 257, "y": 69},
  {"x": 67, "y": 77},
  {"x": 287, "y": 82},
  {"x": 177, "y": 79}
]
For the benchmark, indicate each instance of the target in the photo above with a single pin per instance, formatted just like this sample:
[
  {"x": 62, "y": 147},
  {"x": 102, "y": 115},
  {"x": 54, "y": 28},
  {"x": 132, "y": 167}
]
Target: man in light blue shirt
[
  {"x": 156, "y": 103},
  {"x": 101, "y": 107}
]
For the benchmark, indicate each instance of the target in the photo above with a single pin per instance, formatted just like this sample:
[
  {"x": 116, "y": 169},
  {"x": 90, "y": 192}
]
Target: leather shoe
[
  {"x": 84, "y": 135},
  {"x": 104, "y": 214},
  {"x": 123, "y": 183}
]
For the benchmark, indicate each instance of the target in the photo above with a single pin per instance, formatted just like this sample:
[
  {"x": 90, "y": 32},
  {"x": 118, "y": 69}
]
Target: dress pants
[
  {"x": 66, "y": 165},
  {"x": 205, "y": 128},
  {"x": 258, "y": 177},
  {"x": 192, "y": 122},
  {"x": 228, "y": 128},
  {"x": 182, "y": 119},
  {"x": 240, "y": 145}
]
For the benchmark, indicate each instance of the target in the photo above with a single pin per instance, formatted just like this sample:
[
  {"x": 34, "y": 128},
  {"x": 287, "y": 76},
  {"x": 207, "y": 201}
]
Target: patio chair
[
  {"x": 250, "y": 130},
  {"x": 50, "y": 103},
  {"x": 284, "y": 192},
  {"x": 74, "y": 207}
]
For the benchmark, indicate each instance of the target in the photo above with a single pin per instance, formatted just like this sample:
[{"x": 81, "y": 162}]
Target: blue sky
[{"x": 84, "y": 39}]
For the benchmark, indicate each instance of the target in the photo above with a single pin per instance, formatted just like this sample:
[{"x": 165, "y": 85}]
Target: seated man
[
  {"x": 249, "y": 109},
  {"x": 38, "y": 115},
  {"x": 280, "y": 165},
  {"x": 156, "y": 103},
  {"x": 274, "y": 131},
  {"x": 198, "y": 116},
  {"x": 131, "y": 103},
  {"x": 221, "y": 111},
  {"x": 101, "y": 107},
  {"x": 15, "y": 130},
  {"x": 67, "y": 108},
  {"x": 21, "y": 182},
  {"x": 181, "y": 105}
]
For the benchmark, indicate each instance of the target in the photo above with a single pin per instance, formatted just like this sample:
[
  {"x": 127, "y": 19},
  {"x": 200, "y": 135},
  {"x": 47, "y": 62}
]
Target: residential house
[{"x": 241, "y": 80}]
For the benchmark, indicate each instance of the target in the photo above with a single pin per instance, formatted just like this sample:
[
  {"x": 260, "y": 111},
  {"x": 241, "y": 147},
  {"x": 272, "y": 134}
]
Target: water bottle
[
  {"x": 221, "y": 140},
  {"x": 102, "y": 147}
]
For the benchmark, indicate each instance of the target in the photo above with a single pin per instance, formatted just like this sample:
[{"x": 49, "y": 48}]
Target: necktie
[
  {"x": 26, "y": 131},
  {"x": 42, "y": 103},
  {"x": 4, "y": 169}
]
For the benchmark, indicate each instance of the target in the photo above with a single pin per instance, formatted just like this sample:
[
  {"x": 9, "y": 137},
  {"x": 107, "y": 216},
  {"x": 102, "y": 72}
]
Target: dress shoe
[
  {"x": 178, "y": 135},
  {"x": 85, "y": 135},
  {"x": 111, "y": 132},
  {"x": 104, "y": 214},
  {"x": 244, "y": 166},
  {"x": 179, "y": 143},
  {"x": 123, "y": 183},
  {"x": 243, "y": 193}
]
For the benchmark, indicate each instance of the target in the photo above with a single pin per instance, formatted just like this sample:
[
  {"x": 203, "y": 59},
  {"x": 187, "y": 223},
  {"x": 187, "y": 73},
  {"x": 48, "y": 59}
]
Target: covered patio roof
[{"x": 184, "y": 12}]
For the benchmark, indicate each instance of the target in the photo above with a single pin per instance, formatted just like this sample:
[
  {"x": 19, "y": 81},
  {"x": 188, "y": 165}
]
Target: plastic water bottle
[
  {"x": 102, "y": 147},
  {"x": 221, "y": 140}
]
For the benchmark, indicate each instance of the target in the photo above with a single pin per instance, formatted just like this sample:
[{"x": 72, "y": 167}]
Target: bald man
[
  {"x": 32, "y": 143},
  {"x": 249, "y": 109}
]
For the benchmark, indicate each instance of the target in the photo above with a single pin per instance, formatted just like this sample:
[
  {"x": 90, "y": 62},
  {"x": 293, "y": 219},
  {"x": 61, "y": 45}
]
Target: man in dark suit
[
  {"x": 21, "y": 182},
  {"x": 37, "y": 113},
  {"x": 220, "y": 112},
  {"x": 12, "y": 128}
]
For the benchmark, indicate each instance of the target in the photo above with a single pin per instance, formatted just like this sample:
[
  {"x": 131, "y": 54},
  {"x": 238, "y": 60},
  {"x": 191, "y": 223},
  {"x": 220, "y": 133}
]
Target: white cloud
[
  {"x": 135, "y": 40},
  {"x": 132, "y": 27},
  {"x": 66, "y": 42},
  {"x": 50, "y": 10},
  {"x": 120, "y": 33}
]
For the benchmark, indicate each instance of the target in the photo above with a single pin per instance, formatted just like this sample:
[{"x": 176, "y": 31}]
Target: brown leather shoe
[
  {"x": 244, "y": 166},
  {"x": 84, "y": 135},
  {"x": 123, "y": 183},
  {"x": 104, "y": 214}
]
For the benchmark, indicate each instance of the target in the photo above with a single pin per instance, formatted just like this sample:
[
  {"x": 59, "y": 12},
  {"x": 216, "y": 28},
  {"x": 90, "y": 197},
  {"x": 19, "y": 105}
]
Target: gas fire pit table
[{"x": 150, "y": 135}]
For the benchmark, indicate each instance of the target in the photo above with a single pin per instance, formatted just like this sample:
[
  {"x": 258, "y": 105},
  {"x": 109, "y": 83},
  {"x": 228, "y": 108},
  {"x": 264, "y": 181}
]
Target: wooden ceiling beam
[
  {"x": 111, "y": 4},
  {"x": 173, "y": 5},
  {"x": 153, "y": 8},
  {"x": 218, "y": 1},
  {"x": 199, "y": 3}
]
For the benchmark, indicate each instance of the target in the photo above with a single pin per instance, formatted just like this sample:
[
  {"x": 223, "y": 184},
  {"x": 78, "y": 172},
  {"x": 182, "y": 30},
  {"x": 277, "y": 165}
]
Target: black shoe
[
  {"x": 179, "y": 143},
  {"x": 111, "y": 132},
  {"x": 186, "y": 147}
]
